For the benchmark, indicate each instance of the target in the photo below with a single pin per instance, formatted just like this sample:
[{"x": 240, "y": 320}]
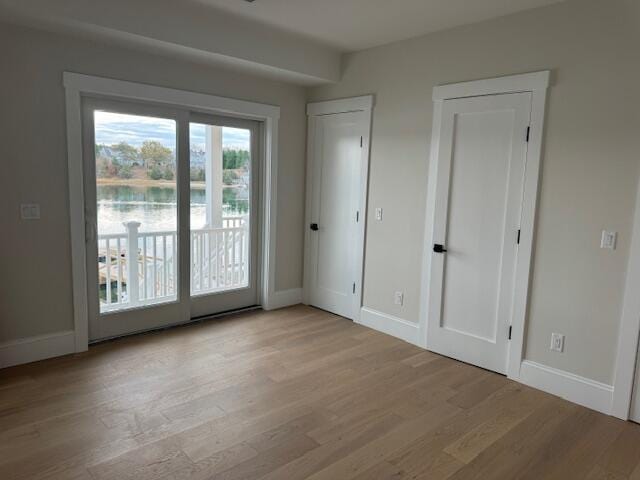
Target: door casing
[{"x": 626, "y": 385}]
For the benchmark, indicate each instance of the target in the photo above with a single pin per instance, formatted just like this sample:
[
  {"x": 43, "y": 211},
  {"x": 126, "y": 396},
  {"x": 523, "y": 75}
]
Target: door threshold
[
  {"x": 191, "y": 321},
  {"x": 330, "y": 312}
]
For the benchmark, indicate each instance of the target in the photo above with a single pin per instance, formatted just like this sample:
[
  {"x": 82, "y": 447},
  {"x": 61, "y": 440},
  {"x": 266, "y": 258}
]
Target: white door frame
[
  {"x": 76, "y": 85},
  {"x": 623, "y": 384},
  {"x": 536, "y": 83},
  {"x": 355, "y": 104}
]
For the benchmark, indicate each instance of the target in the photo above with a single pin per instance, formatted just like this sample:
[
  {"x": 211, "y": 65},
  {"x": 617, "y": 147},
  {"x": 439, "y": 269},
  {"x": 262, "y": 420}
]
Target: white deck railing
[{"x": 219, "y": 261}]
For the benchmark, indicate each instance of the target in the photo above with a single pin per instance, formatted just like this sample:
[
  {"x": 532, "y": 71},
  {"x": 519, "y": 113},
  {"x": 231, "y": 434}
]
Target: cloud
[
  {"x": 238, "y": 138},
  {"x": 112, "y": 128}
]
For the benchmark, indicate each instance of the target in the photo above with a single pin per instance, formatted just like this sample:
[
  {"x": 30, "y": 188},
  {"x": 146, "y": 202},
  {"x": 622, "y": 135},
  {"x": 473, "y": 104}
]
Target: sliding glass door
[{"x": 171, "y": 220}]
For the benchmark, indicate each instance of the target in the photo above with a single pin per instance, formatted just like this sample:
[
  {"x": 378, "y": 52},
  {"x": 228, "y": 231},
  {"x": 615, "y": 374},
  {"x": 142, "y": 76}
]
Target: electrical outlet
[
  {"x": 398, "y": 298},
  {"x": 379, "y": 214},
  {"x": 557, "y": 342}
]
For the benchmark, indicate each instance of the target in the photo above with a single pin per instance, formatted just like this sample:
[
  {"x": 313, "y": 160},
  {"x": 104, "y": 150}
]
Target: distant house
[{"x": 126, "y": 157}]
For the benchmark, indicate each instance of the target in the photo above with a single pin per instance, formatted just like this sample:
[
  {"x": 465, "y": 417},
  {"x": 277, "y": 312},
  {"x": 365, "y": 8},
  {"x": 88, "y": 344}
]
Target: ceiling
[
  {"x": 298, "y": 41},
  {"x": 352, "y": 25}
]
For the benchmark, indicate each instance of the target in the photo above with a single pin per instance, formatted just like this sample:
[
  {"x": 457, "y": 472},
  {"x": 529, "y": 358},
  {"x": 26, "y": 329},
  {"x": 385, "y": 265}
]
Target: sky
[{"x": 113, "y": 128}]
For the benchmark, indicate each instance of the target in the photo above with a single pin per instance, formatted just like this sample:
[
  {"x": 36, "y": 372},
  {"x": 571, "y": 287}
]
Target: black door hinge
[
  {"x": 357, "y": 216},
  {"x": 361, "y": 141},
  {"x": 354, "y": 287},
  {"x": 528, "y": 132},
  {"x": 510, "y": 327},
  {"x": 518, "y": 239}
]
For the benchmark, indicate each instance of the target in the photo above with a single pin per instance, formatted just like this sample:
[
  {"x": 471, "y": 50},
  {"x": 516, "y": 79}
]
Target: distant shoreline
[{"x": 143, "y": 182}]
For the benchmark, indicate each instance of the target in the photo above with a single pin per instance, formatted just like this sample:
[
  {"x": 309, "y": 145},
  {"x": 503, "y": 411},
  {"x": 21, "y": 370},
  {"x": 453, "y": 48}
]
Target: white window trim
[
  {"x": 537, "y": 83},
  {"x": 76, "y": 85},
  {"x": 364, "y": 104}
]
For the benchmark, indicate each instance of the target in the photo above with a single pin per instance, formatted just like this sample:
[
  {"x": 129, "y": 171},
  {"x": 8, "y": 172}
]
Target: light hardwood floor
[{"x": 292, "y": 394}]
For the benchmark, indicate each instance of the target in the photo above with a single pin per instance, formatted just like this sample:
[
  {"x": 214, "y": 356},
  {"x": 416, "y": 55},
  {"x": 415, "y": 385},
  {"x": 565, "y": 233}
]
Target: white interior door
[
  {"x": 336, "y": 141},
  {"x": 478, "y": 198}
]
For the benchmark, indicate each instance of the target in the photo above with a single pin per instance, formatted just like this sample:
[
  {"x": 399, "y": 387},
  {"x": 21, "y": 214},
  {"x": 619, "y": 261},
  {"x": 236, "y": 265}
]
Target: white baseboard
[
  {"x": 284, "y": 298},
  {"x": 574, "y": 388},
  {"x": 583, "y": 391},
  {"x": 394, "y": 326},
  {"x": 32, "y": 349}
]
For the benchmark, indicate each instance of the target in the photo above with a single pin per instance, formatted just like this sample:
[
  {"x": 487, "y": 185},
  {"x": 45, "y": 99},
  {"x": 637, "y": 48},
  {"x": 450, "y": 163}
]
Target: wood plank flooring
[{"x": 292, "y": 394}]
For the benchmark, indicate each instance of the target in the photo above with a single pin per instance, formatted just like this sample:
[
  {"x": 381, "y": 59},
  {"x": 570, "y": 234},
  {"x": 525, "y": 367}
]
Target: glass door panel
[
  {"x": 131, "y": 191},
  {"x": 137, "y": 210},
  {"x": 223, "y": 220}
]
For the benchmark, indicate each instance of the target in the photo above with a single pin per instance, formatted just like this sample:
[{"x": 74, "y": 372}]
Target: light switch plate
[
  {"x": 378, "y": 214},
  {"x": 398, "y": 298},
  {"x": 30, "y": 211},
  {"x": 608, "y": 240},
  {"x": 557, "y": 342}
]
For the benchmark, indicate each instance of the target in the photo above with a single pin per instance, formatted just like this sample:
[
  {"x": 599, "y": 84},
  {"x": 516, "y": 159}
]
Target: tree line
[{"x": 155, "y": 161}]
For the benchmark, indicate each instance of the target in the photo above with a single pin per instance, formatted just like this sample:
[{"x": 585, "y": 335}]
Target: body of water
[{"x": 155, "y": 207}]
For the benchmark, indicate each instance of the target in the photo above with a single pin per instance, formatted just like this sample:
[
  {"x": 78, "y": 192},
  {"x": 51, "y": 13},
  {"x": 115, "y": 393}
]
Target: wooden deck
[{"x": 292, "y": 394}]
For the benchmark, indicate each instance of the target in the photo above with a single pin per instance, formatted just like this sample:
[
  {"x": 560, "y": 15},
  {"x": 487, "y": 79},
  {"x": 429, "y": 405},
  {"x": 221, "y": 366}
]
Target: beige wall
[
  {"x": 589, "y": 177},
  {"x": 35, "y": 267},
  {"x": 589, "y": 173}
]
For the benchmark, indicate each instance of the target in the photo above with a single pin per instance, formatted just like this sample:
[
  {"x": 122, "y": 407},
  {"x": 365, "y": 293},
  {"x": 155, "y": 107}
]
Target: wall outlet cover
[{"x": 608, "y": 240}]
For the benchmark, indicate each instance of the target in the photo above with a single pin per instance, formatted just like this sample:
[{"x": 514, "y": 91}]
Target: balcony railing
[{"x": 219, "y": 261}]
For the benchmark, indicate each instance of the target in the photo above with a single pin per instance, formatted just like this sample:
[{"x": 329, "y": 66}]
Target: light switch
[
  {"x": 557, "y": 342},
  {"x": 608, "y": 240},
  {"x": 398, "y": 298},
  {"x": 30, "y": 211},
  {"x": 379, "y": 214}
]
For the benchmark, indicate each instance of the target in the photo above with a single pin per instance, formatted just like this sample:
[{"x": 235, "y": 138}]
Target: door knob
[
  {"x": 314, "y": 227},
  {"x": 439, "y": 248}
]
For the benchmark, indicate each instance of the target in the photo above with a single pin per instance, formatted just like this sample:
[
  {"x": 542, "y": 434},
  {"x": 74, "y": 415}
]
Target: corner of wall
[{"x": 283, "y": 298}]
